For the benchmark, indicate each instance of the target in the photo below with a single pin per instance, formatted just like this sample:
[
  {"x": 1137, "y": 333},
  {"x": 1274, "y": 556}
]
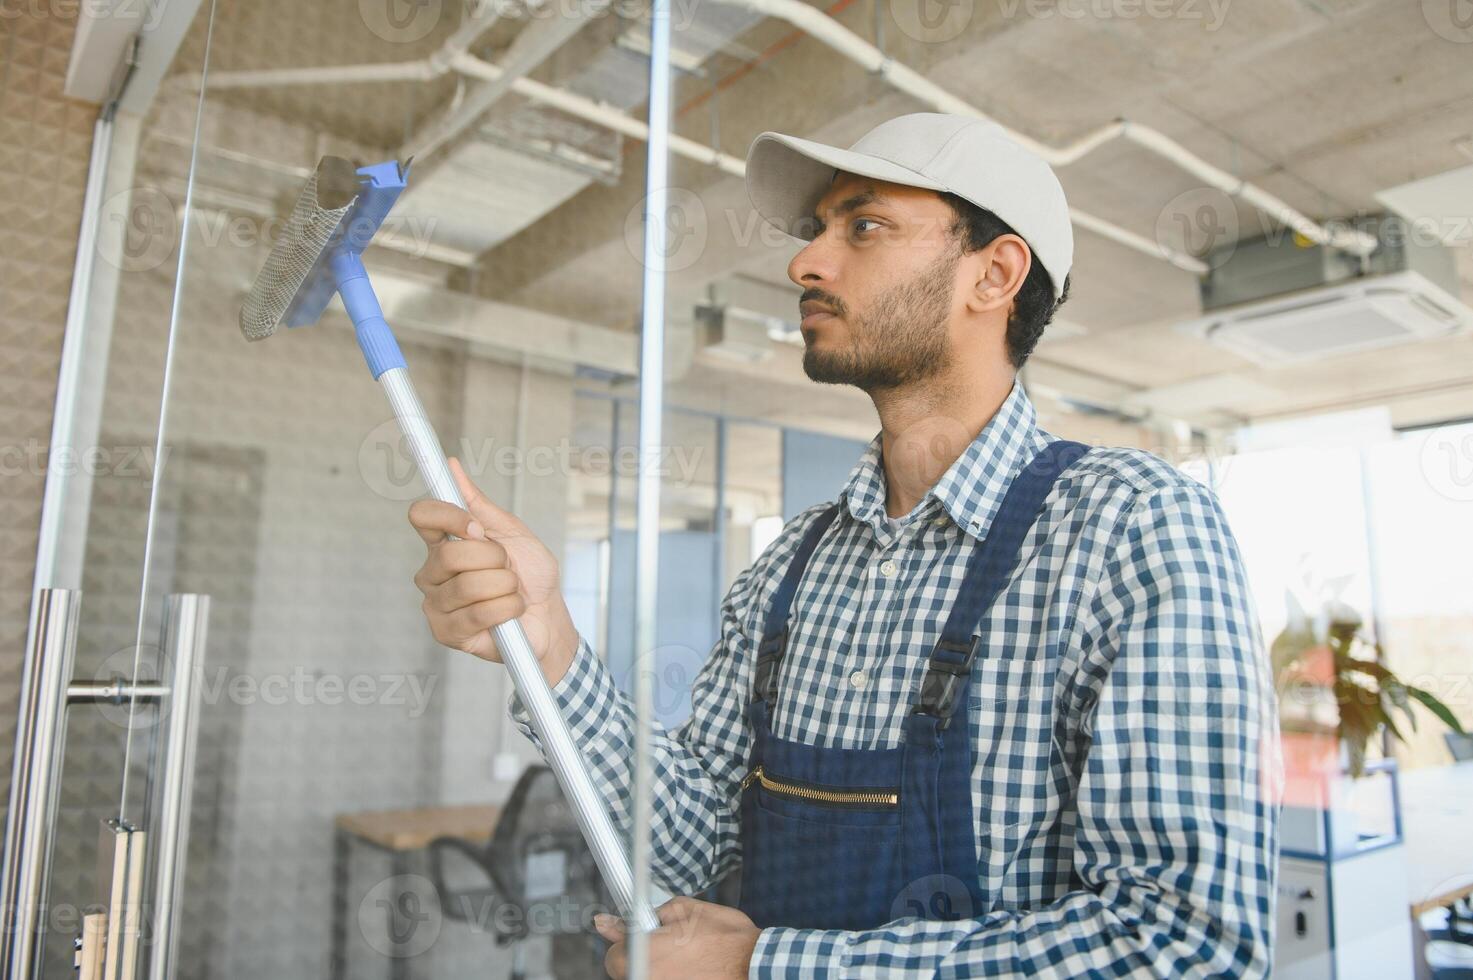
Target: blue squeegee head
[{"x": 340, "y": 208}]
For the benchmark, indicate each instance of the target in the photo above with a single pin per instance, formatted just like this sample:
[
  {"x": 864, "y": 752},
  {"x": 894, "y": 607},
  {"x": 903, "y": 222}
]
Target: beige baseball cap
[{"x": 972, "y": 158}]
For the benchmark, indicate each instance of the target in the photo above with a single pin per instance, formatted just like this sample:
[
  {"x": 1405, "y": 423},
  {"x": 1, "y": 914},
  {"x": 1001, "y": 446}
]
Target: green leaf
[
  {"x": 1385, "y": 712},
  {"x": 1396, "y": 691},
  {"x": 1370, "y": 667},
  {"x": 1437, "y": 708}
]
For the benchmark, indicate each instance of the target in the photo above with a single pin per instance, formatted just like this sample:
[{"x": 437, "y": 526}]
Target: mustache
[{"x": 827, "y": 299}]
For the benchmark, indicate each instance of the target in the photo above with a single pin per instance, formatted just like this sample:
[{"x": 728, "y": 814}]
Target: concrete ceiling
[{"x": 1324, "y": 103}]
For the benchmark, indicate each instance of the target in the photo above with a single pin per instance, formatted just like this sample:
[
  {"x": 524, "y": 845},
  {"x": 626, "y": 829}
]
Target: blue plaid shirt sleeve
[
  {"x": 1174, "y": 842},
  {"x": 698, "y": 766}
]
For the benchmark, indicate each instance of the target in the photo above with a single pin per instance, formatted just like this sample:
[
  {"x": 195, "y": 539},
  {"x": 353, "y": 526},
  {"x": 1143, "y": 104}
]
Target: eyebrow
[{"x": 854, "y": 203}]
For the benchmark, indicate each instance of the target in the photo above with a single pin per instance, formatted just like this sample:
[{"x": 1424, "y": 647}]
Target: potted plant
[{"x": 1331, "y": 681}]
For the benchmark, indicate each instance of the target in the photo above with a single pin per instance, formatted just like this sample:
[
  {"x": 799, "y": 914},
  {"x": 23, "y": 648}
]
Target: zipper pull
[{"x": 751, "y": 778}]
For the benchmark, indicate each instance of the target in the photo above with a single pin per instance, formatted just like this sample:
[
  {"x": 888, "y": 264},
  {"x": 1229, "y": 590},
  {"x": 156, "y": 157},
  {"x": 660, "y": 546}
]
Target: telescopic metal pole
[{"x": 563, "y": 756}]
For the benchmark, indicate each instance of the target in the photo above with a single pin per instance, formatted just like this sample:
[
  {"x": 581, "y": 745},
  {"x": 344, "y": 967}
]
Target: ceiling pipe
[
  {"x": 602, "y": 114},
  {"x": 825, "y": 29},
  {"x": 532, "y": 46},
  {"x": 597, "y": 112},
  {"x": 454, "y": 55},
  {"x": 605, "y": 115}
]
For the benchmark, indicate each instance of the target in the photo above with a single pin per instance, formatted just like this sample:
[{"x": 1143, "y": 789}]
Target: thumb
[{"x": 497, "y": 521}]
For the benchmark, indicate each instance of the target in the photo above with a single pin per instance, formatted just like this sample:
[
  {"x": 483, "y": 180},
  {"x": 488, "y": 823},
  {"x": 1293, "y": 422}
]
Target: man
[{"x": 1001, "y": 708}]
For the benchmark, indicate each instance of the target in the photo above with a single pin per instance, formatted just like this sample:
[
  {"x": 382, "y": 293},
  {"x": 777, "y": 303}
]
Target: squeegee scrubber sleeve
[
  {"x": 306, "y": 233},
  {"x": 376, "y": 340}
]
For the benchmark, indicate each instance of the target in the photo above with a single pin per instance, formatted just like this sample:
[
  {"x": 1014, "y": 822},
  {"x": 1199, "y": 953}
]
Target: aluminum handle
[
  {"x": 40, "y": 737},
  {"x": 186, "y": 628},
  {"x": 562, "y": 755}
]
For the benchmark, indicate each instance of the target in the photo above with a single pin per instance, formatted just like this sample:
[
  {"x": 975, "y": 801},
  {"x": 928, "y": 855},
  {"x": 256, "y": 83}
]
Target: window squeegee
[{"x": 317, "y": 256}]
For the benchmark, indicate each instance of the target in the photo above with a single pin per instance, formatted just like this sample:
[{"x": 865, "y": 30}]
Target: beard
[{"x": 902, "y": 339}]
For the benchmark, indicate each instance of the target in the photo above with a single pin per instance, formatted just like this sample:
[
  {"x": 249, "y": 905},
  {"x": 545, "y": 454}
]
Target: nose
[{"x": 815, "y": 264}]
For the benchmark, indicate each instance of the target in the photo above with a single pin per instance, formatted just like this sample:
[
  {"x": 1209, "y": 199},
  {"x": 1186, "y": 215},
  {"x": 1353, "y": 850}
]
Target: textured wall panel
[{"x": 45, "y": 140}]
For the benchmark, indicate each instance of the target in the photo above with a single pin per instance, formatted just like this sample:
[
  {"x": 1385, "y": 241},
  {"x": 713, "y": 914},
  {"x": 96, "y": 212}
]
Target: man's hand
[
  {"x": 499, "y": 571},
  {"x": 696, "y": 941}
]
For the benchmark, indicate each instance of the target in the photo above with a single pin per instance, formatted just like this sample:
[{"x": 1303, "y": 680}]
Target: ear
[{"x": 1000, "y": 269}]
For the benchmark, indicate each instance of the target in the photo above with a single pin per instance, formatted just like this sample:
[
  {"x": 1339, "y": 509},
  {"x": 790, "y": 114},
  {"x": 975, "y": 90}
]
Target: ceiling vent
[{"x": 1276, "y": 301}]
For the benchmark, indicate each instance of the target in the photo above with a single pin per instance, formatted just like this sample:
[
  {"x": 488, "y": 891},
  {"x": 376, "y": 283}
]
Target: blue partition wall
[{"x": 815, "y": 467}]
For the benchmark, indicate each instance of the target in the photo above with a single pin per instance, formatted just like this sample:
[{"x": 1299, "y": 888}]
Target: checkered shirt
[{"x": 1124, "y": 729}]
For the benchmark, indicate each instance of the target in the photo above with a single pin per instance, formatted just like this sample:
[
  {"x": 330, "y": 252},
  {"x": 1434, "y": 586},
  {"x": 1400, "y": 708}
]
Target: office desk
[
  {"x": 1437, "y": 821},
  {"x": 399, "y": 834}
]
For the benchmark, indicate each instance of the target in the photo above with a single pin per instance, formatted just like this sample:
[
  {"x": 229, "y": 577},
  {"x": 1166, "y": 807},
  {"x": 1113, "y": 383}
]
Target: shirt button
[
  {"x": 941, "y": 521},
  {"x": 887, "y": 568},
  {"x": 857, "y": 678}
]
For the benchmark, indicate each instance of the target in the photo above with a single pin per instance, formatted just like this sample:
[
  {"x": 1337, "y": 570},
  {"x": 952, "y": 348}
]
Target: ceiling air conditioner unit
[
  {"x": 1277, "y": 301},
  {"x": 739, "y": 334}
]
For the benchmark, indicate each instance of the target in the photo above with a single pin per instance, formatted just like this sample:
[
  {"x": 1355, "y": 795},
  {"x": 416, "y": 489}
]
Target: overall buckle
[
  {"x": 770, "y": 651},
  {"x": 944, "y": 675}
]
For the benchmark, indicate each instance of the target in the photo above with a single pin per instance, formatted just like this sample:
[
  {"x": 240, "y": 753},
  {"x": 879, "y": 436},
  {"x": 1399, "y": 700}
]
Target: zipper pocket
[{"x": 878, "y": 798}]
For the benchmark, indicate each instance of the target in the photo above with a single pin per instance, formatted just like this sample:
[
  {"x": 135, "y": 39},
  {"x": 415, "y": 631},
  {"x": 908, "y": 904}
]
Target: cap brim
[{"x": 787, "y": 177}]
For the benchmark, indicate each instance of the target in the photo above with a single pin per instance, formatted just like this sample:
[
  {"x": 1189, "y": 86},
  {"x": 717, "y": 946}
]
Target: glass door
[
  {"x": 361, "y": 804},
  {"x": 348, "y": 797},
  {"x": 108, "y": 704}
]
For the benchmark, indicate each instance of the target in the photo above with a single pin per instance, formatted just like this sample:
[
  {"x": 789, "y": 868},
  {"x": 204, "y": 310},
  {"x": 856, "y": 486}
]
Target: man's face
[{"x": 879, "y": 285}]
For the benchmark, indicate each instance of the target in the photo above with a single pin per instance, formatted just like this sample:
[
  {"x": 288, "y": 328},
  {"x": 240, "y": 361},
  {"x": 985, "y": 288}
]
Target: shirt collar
[{"x": 972, "y": 488}]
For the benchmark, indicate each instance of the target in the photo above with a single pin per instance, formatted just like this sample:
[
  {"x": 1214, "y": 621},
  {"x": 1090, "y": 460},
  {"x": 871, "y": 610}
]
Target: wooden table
[
  {"x": 399, "y": 834},
  {"x": 1437, "y": 822}
]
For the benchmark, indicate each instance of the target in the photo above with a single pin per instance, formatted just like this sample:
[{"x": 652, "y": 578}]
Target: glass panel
[
  {"x": 119, "y": 532},
  {"x": 1419, "y": 486},
  {"x": 350, "y": 771}
]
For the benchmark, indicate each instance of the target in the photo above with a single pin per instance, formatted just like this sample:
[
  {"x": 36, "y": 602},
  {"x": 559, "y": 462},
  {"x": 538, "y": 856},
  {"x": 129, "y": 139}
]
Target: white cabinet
[{"x": 1347, "y": 919}]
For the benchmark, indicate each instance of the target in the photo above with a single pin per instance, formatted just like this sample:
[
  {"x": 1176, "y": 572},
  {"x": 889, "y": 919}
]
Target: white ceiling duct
[
  {"x": 1277, "y": 301},
  {"x": 1359, "y": 315}
]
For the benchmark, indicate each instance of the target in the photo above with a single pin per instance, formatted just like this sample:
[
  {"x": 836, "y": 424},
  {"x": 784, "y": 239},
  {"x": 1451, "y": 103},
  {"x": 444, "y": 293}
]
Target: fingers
[
  {"x": 469, "y": 588},
  {"x": 452, "y": 628},
  {"x": 676, "y": 910},
  {"x": 611, "y": 927},
  {"x": 497, "y": 520},
  {"x": 434, "y": 520},
  {"x": 457, "y": 557},
  {"x": 616, "y": 961}
]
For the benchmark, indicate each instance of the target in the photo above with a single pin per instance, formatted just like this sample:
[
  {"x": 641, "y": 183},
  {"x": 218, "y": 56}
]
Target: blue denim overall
[{"x": 841, "y": 838}]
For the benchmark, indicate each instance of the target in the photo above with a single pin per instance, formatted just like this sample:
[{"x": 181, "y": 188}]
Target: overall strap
[
  {"x": 773, "y": 645},
  {"x": 988, "y": 571}
]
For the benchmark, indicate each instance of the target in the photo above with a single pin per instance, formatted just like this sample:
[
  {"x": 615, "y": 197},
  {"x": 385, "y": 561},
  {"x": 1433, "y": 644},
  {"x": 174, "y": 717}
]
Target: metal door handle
[{"x": 40, "y": 739}]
